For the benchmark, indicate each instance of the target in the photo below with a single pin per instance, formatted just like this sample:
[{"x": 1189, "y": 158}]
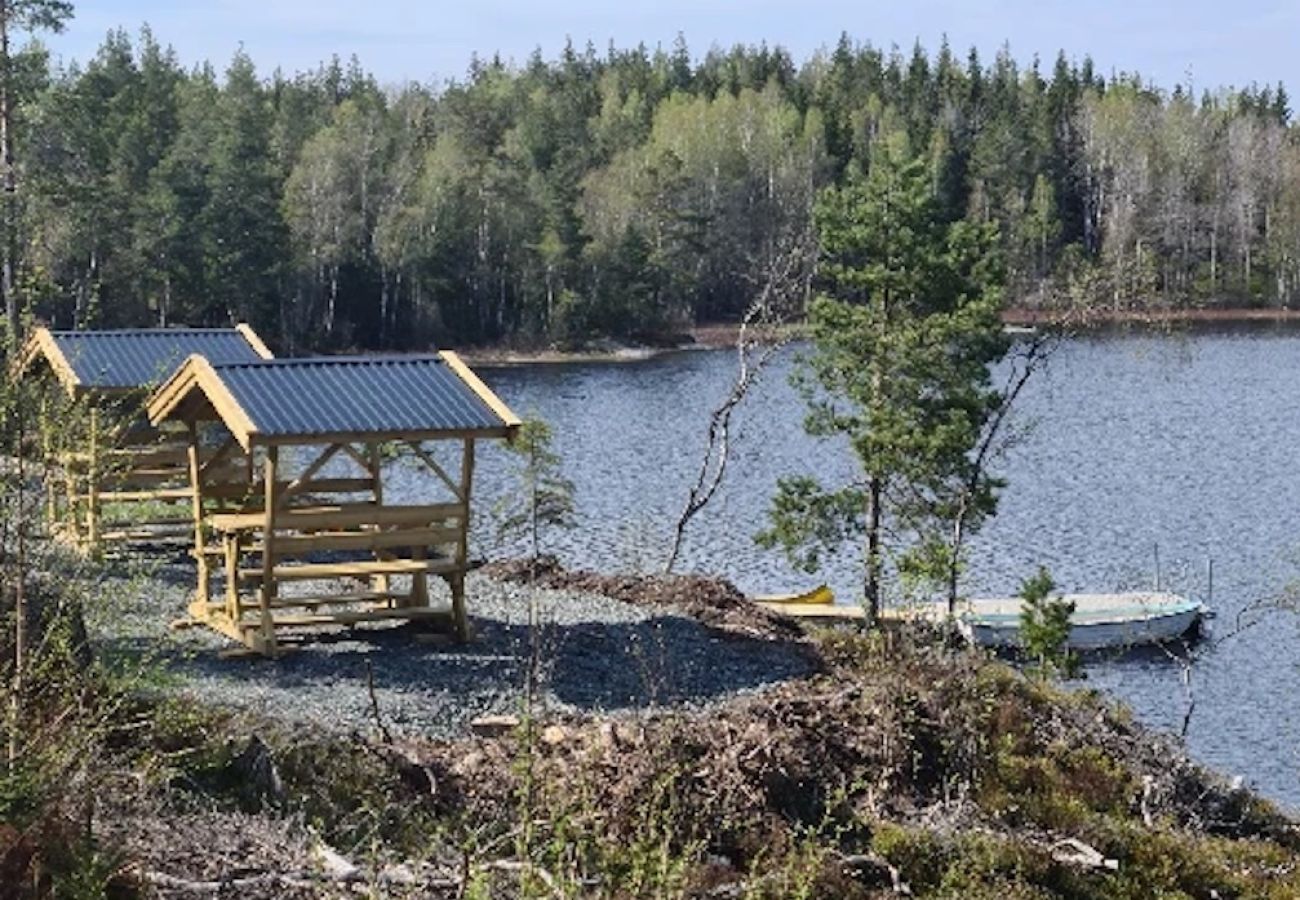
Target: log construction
[{"x": 319, "y": 432}]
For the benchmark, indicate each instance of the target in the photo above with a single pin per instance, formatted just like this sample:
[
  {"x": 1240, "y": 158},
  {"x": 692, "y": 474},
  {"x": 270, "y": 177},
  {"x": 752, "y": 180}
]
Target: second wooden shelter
[
  {"x": 320, "y": 430},
  {"x": 121, "y": 479}
]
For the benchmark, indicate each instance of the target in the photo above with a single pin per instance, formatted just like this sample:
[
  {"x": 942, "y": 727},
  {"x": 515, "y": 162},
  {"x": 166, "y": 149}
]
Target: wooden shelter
[
  {"x": 325, "y": 544},
  {"x": 115, "y": 477}
]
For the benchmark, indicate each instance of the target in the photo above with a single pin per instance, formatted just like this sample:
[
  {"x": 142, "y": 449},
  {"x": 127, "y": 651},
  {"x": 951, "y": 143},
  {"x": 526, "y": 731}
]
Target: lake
[{"x": 1188, "y": 442}]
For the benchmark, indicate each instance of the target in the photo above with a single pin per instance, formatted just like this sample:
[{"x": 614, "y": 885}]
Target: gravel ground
[{"x": 596, "y": 654}]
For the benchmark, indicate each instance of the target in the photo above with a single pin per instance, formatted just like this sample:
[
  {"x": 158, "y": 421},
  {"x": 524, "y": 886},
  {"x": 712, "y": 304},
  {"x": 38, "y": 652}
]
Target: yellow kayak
[{"x": 820, "y": 596}]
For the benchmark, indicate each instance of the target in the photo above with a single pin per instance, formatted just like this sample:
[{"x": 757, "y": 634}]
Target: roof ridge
[
  {"x": 355, "y": 359},
  {"x": 113, "y": 332}
]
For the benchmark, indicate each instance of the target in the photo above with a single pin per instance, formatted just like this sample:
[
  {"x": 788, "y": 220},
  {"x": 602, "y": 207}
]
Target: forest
[{"x": 627, "y": 194}]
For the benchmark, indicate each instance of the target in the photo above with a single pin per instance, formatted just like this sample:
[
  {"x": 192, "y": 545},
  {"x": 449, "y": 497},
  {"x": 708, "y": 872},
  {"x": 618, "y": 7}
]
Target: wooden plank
[
  {"x": 181, "y": 534},
  {"x": 347, "y": 617},
  {"x": 152, "y": 472},
  {"x": 376, "y": 467},
  {"x": 298, "y": 484},
  {"x": 92, "y": 480},
  {"x": 197, "y": 374},
  {"x": 194, "y": 460},
  {"x": 359, "y": 459},
  {"x": 42, "y": 343},
  {"x": 242, "y": 489},
  {"x": 161, "y": 494},
  {"x": 221, "y": 454},
  {"x": 313, "y": 600},
  {"x": 291, "y": 545},
  {"x": 493, "y": 402},
  {"x": 269, "y": 582},
  {"x": 339, "y": 518},
  {"x": 457, "y": 583},
  {"x": 365, "y": 568},
  {"x": 254, "y": 341},
  {"x": 432, "y": 465}
]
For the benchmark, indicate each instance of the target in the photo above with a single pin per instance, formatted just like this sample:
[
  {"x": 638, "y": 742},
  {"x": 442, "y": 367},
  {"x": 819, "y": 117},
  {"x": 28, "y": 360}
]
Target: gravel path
[{"x": 596, "y": 654}]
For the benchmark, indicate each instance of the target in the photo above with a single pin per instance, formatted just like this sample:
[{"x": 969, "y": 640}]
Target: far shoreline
[{"x": 721, "y": 335}]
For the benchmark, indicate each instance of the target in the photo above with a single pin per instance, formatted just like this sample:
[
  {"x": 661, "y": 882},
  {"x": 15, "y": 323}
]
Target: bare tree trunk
[
  {"x": 954, "y": 557},
  {"x": 19, "y": 512},
  {"x": 875, "y": 566},
  {"x": 7, "y": 217}
]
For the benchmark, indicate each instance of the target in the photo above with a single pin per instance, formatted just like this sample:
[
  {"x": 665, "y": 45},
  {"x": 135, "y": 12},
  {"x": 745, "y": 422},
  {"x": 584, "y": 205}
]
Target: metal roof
[
  {"x": 360, "y": 395},
  {"x": 137, "y": 358}
]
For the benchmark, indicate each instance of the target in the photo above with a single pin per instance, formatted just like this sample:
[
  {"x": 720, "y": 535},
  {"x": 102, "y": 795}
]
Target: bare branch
[{"x": 760, "y": 337}]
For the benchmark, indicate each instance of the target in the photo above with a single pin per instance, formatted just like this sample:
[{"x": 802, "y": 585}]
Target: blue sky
[{"x": 1219, "y": 43}]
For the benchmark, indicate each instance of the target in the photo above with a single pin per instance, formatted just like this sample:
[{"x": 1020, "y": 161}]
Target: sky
[{"x": 1212, "y": 42}]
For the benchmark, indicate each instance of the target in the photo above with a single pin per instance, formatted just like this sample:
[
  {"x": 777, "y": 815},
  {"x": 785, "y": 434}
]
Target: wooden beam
[
  {"x": 92, "y": 477},
  {"x": 267, "y": 591},
  {"x": 336, "y": 518},
  {"x": 457, "y": 583},
  {"x": 216, "y": 458},
  {"x": 296, "y": 485},
  {"x": 484, "y": 393},
  {"x": 197, "y": 374},
  {"x": 362, "y": 569},
  {"x": 433, "y": 466},
  {"x": 196, "y": 505},
  {"x": 254, "y": 341},
  {"x": 41, "y": 344},
  {"x": 368, "y": 437}
]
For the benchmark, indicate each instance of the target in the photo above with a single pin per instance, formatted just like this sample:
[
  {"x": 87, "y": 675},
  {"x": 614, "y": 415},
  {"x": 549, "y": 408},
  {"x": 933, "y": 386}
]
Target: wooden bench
[{"x": 413, "y": 541}]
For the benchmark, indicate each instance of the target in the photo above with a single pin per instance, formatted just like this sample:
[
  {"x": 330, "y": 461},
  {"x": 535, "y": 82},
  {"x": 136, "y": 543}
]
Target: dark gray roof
[
  {"x": 130, "y": 359},
  {"x": 356, "y": 395}
]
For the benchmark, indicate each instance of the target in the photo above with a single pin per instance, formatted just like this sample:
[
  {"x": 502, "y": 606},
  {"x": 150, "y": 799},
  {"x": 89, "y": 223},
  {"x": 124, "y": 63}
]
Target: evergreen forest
[{"x": 628, "y": 194}]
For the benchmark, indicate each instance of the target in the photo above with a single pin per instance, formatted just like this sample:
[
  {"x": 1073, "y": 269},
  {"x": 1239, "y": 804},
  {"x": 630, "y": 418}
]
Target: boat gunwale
[{"x": 1013, "y": 619}]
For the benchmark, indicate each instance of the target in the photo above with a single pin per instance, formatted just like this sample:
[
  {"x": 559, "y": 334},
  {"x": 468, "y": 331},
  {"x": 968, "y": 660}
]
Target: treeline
[{"x": 619, "y": 193}]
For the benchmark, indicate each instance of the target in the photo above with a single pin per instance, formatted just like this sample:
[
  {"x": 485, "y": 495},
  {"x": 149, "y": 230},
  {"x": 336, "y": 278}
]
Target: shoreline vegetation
[
  {"x": 723, "y": 335},
  {"x": 905, "y": 764}
]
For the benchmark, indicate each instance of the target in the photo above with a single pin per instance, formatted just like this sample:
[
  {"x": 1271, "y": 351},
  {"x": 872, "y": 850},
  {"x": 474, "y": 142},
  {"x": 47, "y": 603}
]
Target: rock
[
  {"x": 397, "y": 874},
  {"x": 494, "y": 726},
  {"x": 334, "y": 864},
  {"x": 554, "y": 735},
  {"x": 256, "y": 768}
]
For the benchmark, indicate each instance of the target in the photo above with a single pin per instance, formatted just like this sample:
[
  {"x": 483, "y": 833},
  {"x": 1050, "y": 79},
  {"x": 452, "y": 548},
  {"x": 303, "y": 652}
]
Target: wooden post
[
  {"x": 92, "y": 480},
  {"x": 380, "y": 582},
  {"x": 459, "y": 616},
  {"x": 70, "y": 515},
  {"x": 230, "y": 545},
  {"x": 47, "y": 462},
  {"x": 269, "y": 588},
  {"x": 196, "y": 485}
]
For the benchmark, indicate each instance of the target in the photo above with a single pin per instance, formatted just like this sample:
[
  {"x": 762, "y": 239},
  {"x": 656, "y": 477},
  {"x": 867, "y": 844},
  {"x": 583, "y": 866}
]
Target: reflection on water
[{"x": 1133, "y": 441}]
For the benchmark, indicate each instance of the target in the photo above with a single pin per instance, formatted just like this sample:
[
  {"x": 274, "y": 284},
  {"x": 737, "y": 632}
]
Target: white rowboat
[{"x": 1099, "y": 621}]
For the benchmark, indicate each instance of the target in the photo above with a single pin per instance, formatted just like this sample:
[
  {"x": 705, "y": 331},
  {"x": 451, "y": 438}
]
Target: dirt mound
[{"x": 713, "y": 601}]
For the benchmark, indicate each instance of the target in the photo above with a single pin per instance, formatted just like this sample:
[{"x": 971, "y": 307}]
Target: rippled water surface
[{"x": 1188, "y": 442}]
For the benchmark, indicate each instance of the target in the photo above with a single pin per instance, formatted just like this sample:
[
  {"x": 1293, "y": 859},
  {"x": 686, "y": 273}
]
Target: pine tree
[
  {"x": 544, "y": 498},
  {"x": 904, "y": 334}
]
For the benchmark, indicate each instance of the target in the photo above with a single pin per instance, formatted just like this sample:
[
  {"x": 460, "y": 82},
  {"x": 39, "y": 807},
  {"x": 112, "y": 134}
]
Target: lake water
[{"x": 1185, "y": 442}]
